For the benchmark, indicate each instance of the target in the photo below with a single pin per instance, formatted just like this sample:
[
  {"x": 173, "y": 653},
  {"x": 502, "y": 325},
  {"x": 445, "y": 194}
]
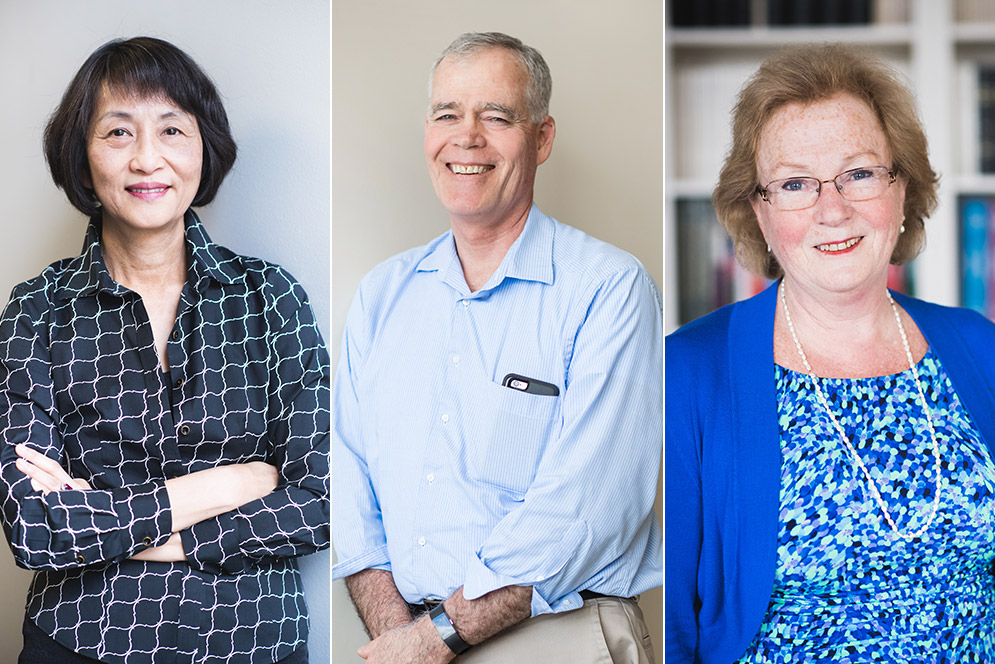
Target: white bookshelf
[{"x": 935, "y": 43}]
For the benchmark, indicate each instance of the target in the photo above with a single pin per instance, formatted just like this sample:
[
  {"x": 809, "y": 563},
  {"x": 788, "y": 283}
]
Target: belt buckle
[{"x": 416, "y": 610}]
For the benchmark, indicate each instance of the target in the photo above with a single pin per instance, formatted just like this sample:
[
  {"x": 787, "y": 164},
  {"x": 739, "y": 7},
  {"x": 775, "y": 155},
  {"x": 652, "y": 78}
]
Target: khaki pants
[{"x": 607, "y": 630}]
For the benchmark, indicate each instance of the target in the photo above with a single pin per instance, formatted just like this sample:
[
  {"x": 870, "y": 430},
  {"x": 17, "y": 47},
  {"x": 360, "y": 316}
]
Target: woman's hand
[{"x": 46, "y": 474}]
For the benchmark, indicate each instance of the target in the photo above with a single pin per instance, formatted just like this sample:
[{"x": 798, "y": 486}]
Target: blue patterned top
[{"x": 847, "y": 588}]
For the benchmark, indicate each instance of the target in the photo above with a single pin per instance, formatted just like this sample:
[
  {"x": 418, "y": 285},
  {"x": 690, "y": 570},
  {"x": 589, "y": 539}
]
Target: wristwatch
[{"x": 447, "y": 630}]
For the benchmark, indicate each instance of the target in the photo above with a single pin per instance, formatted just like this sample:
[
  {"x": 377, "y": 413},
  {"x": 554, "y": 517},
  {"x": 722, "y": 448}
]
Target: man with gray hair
[{"x": 498, "y": 406}]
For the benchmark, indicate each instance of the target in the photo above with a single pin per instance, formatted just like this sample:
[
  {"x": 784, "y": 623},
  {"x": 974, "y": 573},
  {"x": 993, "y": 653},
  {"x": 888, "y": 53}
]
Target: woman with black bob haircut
[
  {"x": 145, "y": 68},
  {"x": 164, "y": 402}
]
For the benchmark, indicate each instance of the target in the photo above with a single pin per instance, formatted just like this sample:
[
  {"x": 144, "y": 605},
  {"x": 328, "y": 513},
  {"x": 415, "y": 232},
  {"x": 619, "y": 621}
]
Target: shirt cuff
[
  {"x": 150, "y": 509},
  {"x": 213, "y": 545},
  {"x": 541, "y": 574},
  {"x": 481, "y": 580},
  {"x": 373, "y": 559},
  {"x": 568, "y": 602},
  {"x": 122, "y": 521}
]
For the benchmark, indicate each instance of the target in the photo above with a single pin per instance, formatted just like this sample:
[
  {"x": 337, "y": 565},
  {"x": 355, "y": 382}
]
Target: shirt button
[
  {"x": 80, "y": 559},
  {"x": 147, "y": 541},
  {"x": 430, "y": 477},
  {"x": 176, "y": 335},
  {"x": 455, "y": 359},
  {"x": 465, "y": 303},
  {"x": 184, "y": 430},
  {"x": 445, "y": 417},
  {"x": 179, "y": 383},
  {"x": 421, "y": 541}
]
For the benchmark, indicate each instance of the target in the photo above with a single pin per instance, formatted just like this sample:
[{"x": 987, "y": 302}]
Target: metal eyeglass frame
[{"x": 764, "y": 191}]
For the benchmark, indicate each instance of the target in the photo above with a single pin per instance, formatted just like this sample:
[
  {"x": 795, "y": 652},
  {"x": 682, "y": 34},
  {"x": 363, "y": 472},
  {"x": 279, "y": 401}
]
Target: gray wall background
[
  {"x": 270, "y": 61},
  {"x": 605, "y": 175}
]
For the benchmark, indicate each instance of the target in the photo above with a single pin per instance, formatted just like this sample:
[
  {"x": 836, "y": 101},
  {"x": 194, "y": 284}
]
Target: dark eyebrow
[{"x": 125, "y": 115}]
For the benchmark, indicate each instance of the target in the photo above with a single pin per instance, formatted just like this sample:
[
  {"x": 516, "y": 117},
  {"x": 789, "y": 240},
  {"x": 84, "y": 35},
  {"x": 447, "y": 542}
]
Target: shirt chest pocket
[{"x": 510, "y": 431}]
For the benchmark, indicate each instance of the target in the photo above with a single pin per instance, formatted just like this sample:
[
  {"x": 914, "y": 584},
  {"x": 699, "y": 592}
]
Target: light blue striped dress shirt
[{"x": 449, "y": 479}]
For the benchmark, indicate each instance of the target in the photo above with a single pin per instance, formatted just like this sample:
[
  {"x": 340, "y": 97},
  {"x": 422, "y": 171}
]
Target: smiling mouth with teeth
[
  {"x": 839, "y": 246},
  {"x": 467, "y": 169}
]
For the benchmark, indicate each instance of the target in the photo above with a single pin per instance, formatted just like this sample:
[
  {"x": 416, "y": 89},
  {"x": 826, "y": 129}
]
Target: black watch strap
[{"x": 447, "y": 630}]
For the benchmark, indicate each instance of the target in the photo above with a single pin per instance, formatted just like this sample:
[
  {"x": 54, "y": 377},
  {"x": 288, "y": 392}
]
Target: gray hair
[{"x": 540, "y": 86}]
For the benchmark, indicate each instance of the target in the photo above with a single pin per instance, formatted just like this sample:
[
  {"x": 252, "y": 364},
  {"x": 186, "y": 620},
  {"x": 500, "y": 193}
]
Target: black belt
[{"x": 417, "y": 609}]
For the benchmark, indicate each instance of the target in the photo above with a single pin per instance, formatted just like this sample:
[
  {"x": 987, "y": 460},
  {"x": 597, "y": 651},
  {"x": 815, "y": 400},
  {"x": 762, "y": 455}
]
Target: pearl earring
[{"x": 901, "y": 228}]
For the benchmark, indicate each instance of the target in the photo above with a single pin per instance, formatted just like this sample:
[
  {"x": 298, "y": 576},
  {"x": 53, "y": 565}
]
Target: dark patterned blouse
[{"x": 80, "y": 381}]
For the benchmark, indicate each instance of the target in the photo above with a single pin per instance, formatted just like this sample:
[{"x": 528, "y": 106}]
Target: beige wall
[
  {"x": 270, "y": 61},
  {"x": 605, "y": 175}
]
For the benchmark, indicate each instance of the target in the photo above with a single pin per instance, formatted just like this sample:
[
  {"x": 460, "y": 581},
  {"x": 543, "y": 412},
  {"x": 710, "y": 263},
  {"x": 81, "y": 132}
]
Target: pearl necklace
[{"x": 846, "y": 441}]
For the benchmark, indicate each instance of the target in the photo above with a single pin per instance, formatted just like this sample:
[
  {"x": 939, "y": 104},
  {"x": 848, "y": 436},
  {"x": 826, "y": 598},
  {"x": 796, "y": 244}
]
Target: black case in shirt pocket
[{"x": 514, "y": 428}]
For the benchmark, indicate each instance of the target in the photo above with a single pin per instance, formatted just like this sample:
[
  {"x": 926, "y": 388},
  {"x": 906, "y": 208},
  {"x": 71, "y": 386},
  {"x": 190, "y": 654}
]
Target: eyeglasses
[{"x": 858, "y": 184}]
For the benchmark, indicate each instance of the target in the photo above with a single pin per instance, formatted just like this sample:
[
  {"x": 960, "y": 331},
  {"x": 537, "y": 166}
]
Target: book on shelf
[
  {"x": 976, "y": 95},
  {"x": 977, "y": 256},
  {"x": 818, "y": 12},
  {"x": 891, "y": 11},
  {"x": 901, "y": 278},
  {"x": 974, "y": 11},
  {"x": 986, "y": 117},
  {"x": 734, "y": 13},
  {"x": 968, "y": 139},
  {"x": 709, "y": 276},
  {"x": 704, "y": 93},
  {"x": 709, "y": 13}
]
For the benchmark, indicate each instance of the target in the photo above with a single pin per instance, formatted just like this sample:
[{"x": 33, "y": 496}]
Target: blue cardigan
[{"x": 723, "y": 461}]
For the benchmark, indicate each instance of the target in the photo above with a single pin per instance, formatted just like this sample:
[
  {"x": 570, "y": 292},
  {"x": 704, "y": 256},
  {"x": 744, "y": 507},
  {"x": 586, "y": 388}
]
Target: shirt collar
[
  {"x": 208, "y": 260},
  {"x": 88, "y": 273},
  {"x": 530, "y": 257}
]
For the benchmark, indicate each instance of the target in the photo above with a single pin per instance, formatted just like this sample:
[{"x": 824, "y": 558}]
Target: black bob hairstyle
[{"x": 147, "y": 68}]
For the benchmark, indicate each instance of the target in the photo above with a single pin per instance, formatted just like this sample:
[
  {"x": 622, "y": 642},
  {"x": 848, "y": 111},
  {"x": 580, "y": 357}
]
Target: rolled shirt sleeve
[{"x": 360, "y": 540}]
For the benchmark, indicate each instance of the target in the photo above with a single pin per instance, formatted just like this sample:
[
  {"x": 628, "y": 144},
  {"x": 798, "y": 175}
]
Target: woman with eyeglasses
[{"x": 829, "y": 475}]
